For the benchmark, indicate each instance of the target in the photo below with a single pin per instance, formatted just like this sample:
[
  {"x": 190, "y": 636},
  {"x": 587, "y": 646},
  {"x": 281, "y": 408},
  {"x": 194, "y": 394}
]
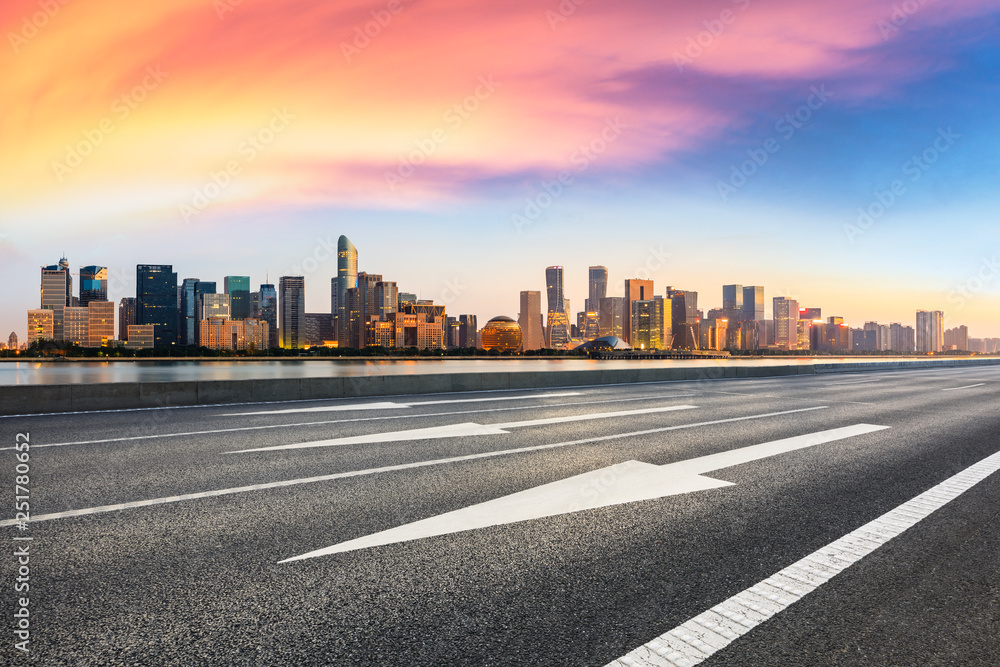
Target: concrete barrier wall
[{"x": 39, "y": 399}]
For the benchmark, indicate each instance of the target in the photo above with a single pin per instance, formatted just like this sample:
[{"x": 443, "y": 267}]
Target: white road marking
[
  {"x": 628, "y": 482},
  {"x": 848, "y": 384},
  {"x": 457, "y": 430},
  {"x": 695, "y": 640},
  {"x": 968, "y": 386},
  {"x": 347, "y": 421},
  {"x": 402, "y": 466},
  {"x": 404, "y": 404}
]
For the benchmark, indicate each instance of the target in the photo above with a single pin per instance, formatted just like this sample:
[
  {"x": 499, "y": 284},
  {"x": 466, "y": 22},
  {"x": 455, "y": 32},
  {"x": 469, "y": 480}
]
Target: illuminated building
[
  {"x": 214, "y": 305},
  {"x": 12, "y": 341},
  {"x": 57, "y": 290},
  {"x": 503, "y": 334},
  {"x": 386, "y": 298},
  {"x": 810, "y": 314},
  {"x": 220, "y": 333},
  {"x": 434, "y": 315},
  {"x": 786, "y": 323},
  {"x": 713, "y": 333},
  {"x": 292, "y": 311},
  {"x": 75, "y": 320},
  {"x": 753, "y": 304},
  {"x": 156, "y": 301},
  {"x": 554, "y": 289},
  {"x": 318, "y": 329},
  {"x": 643, "y": 334},
  {"x": 380, "y": 333},
  {"x": 685, "y": 321},
  {"x": 591, "y": 328},
  {"x": 598, "y": 288},
  {"x": 41, "y": 324},
  {"x": 611, "y": 317},
  {"x": 347, "y": 278},
  {"x": 530, "y": 321},
  {"x": 557, "y": 332},
  {"x": 141, "y": 336},
  {"x": 635, "y": 290},
  {"x": 100, "y": 323},
  {"x": 468, "y": 331},
  {"x": 732, "y": 303},
  {"x": 93, "y": 284}
]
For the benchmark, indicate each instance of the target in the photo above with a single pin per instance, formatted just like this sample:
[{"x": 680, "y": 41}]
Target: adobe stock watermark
[
  {"x": 32, "y": 25},
  {"x": 451, "y": 291},
  {"x": 581, "y": 159},
  {"x": 899, "y": 16},
  {"x": 656, "y": 260},
  {"x": 914, "y": 168},
  {"x": 366, "y": 32},
  {"x": 248, "y": 150},
  {"x": 223, "y": 7},
  {"x": 786, "y": 127},
  {"x": 454, "y": 117},
  {"x": 564, "y": 10},
  {"x": 122, "y": 107},
  {"x": 964, "y": 292},
  {"x": 714, "y": 28},
  {"x": 322, "y": 252}
]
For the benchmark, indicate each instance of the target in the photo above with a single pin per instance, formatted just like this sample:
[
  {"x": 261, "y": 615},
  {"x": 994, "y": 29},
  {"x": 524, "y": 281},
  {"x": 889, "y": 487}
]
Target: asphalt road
[{"x": 200, "y": 580}]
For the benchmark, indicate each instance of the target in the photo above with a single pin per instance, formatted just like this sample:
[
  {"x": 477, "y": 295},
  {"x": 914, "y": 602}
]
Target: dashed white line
[
  {"x": 402, "y": 466},
  {"x": 968, "y": 386},
  {"x": 697, "y": 639},
  {"x": 400, "y": 404}
]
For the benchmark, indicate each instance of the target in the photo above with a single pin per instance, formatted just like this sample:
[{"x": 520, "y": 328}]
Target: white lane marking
[
  {"x": 456, "y": 430},
  {"x": 348, "y": 421},
  {"x": 402, "y": 404},
  {"x": 848, "y": 384},
  {"x": 968, "y": 386},
  {"x": 698, "y": 638},
  {"x": 628, "y": 482},
  {"x": 402, "y": 466}
]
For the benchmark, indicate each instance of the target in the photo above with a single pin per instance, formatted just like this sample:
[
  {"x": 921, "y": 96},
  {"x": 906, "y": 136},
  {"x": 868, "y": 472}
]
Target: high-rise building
[
  {"x": 753, "y": 304},
  {"x": 57, "y": 292},
  {"x": 468, "y": 331},
  {"x": 214, "y": 305},
  {"x": 957, "y": 339},
  {"x": 141, "y": 336},
  {"x": 786, "y": 322},
  {"x": 643, "y": 332},
  {"x": 663, "y": 322},
  {"x": 347, "y": 277},
  {"x": 530, "y": 321},
  {"x": 318, "y": 329},
  {"x": 93, "y": 284},
  {"x": 930, "y": 331},
  {"x": 554, "y": 289},
  {"x": 406, "y": 298},
  {"x": 292, "y": 310},
  {"x": 126, "y": 316},
  {"x": 611, "y": 317},
  {"x": 156, "y": 301},
  {"x": 75, "y": 321},
  {"x": 190, "y": 311},
  {"x": 598, "y": 288},
  {"x": 267, "y": 311},
  {"x": 386, "y": 298},
  {"x": 635, "y": 290},
  {"x": 100, "y": 323},
  {"x": 238, "y": 289},
  {"x": 41, "y": 324},
  {"x": 732, "y": 302},
  {"x": 810, "y": 314},
  {"x": 685, "y": 320},
  {"x": 221, "y": 333},
  {"x": 12, "y": 341}
]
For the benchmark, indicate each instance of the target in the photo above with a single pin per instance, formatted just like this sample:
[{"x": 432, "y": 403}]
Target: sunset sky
[{"x": 702, "y": 142}]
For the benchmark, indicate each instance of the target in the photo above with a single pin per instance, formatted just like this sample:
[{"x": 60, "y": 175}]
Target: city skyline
[
  {"x": 737, "y": 304},
  {"x": 838, "y": 154}
]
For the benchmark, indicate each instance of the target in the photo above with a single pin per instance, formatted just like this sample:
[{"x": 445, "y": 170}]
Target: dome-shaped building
[{"x": 503, "y": 334}]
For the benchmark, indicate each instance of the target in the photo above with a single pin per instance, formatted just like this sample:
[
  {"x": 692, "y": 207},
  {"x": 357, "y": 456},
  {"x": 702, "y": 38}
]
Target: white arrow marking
[
  {"x": 627, "y": 482},
  {"x": 391, "y": 406},
  {"x": 459, "y": 430}
]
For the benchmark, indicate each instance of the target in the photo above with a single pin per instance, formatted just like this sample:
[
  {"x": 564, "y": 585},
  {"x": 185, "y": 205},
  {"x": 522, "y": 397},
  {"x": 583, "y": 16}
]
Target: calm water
[{"x": 70, "y": 372}]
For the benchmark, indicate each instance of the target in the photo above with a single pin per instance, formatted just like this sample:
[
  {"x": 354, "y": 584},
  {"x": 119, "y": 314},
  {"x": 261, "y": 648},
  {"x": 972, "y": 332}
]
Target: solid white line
[
  {"x": 454, "y": 430},
  {"x": 698, "y": 638},
  {"x": 403, "y": 466},
  {"x": 627, "y": 482},
  {"x": 968, "y": 386},
  {"x": 348, "y": 421},
  {"x": 401, "y": 404}
]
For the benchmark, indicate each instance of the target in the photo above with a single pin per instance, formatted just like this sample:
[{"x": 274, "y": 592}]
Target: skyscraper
[
  {"x": 635, "y": 290},
  {"x": 530, "y": 320},
  {"x": 100, "y": 323},
  {"x": 126, "y": 316},
  {"x": 467, "y": 331},
  {"x": 786, "y": 323},
  {"x": 292, "y": 310},
  {"x": 238, "y": 289},
  {"x": 93, "y": 284},
  {"x": 611, "y": 317},
  {"x": 554, "y": 289},
  {"x": 732, "y": 302},
  {"x": 598, "y": 279},
  {"x": 156, "y": 301},
  {"x": 267, "y": 305},
  {"x": 753, "y": 304},
  {"x": 685, "y": 320},
  {"x": 930, "y": 331},
  {"x": 347, "y": 277},
  {"x": 57, "y": 290}
]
